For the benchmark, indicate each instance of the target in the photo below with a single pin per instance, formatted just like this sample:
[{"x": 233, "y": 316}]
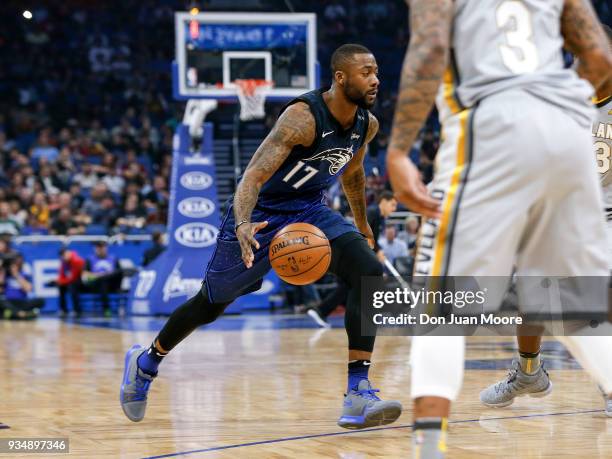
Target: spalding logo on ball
[{"x": 300, "y": 253}]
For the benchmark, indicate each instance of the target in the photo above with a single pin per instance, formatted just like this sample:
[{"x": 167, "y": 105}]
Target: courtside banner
[
  {"x": 193, "y": 222},
  {"x": 486, "y": 305}
]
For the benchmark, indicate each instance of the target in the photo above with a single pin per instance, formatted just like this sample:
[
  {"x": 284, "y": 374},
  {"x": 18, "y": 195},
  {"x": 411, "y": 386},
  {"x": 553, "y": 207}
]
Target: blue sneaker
[
  {"x": 135, "y": 386},
  {"x": 362, "y": 408}
]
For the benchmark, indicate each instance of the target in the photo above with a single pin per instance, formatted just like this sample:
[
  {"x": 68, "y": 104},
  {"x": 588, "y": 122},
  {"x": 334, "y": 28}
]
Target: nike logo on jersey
[
  {"x": 325, "y": 134},
  {"x": 355, "y": 136},
  {"x": 337, "y": 158}
]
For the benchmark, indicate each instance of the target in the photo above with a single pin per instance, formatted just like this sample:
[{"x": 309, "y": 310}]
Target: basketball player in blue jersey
[
  {"x": 319, "y": 136},
  {"x": 515, "y": 176}
]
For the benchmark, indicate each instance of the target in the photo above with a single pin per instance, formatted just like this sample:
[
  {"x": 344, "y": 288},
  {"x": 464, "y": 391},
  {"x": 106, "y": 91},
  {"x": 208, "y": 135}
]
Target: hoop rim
[{"x": 248, "y": 86}]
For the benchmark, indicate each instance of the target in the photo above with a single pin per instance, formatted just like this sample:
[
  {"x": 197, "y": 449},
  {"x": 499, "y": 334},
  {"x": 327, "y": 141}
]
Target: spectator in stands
[
  {"x": 102, "y": 275},
  {"x": 16, "y": 285},
  {"x": 17, "y": 212},
  {"x": 39, "y": 210},
  {"x": 76, "y": 196},
  {"x": 48, "y": 179},
  {"x": 153, "y": 252},
  {"x": 410, "y": 232},
  {"x": 64, "y": 224},
  {"x": 69, "y": 281},
  {"x": 392, "y": 246},
  {"x": 44, "y": 147},
  {"x": 133, "y": 214},
  {"x": 385, "y": 206},
  {"x": 87, "y": 178},
  {"x": 7, "y": 224}
]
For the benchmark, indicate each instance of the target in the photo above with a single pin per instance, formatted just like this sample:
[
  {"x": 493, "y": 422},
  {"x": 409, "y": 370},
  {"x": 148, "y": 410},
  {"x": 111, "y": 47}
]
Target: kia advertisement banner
[{"x": 193, "y": 223}]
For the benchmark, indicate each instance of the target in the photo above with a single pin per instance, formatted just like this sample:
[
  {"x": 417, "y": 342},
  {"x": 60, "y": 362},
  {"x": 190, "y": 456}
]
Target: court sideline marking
[{"x": 349, "y": 432}]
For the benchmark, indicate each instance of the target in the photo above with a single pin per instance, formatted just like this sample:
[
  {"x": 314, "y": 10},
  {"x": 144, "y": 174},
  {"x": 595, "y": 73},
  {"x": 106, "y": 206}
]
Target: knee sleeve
[{"x": 437, "y": 366}]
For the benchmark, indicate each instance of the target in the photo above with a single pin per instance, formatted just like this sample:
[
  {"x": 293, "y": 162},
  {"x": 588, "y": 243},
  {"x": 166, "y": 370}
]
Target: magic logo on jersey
[{"x": 337, "y": 158}]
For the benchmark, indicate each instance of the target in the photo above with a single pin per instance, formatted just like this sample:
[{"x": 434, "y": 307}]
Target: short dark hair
[
  {"x": 344, "y": 54},
  {"x": 385, "y": 196}
]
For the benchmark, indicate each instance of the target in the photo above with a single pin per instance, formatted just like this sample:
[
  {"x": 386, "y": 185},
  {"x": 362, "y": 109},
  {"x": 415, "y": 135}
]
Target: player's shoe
[
  {"x": 135, "y": 386},
  {"x": 362, "y": 408},
  {"x": 316, "y": 316},
  {"x": 516, "y": 384}
]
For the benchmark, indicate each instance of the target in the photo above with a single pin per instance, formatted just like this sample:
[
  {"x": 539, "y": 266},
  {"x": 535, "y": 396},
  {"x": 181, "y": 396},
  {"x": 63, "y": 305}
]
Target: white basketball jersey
[
  {"x": 506, "y": 44},
  {"x": 602, "y": 136}
]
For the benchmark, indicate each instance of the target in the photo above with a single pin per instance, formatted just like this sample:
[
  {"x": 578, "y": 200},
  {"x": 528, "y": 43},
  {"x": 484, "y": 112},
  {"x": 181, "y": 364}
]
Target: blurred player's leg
[{"x": 435, "y": 383}]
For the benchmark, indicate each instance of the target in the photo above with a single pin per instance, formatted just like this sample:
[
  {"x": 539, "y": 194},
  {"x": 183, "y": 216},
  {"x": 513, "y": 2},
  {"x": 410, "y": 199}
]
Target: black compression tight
[
  {"x": 352, "y": 258},
  {"x": 187, "y": 317}
]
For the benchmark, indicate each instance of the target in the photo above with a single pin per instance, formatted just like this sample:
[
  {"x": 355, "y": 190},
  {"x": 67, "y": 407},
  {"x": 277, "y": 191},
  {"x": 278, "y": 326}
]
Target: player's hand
[
  {"x": 245, "y": 234},
  {"x": 408, "y": 187},
  {"x": 366, "y": 230},
  {"x": 381, "y": 256}
]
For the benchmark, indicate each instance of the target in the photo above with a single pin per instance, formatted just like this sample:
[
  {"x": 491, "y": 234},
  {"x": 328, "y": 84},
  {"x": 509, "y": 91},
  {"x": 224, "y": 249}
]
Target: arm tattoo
[
  {"x": 585, "y": 39},
  {"x": 296, "y": 126},
  {"x": 424, "y": 65},
  {"x": 353, "y": 180}
]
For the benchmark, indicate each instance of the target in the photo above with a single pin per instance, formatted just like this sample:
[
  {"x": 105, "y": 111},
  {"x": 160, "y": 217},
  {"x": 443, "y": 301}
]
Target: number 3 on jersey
[
  {"x": 520, "y": 54},
  {"x": 603, "y": 151},
  {"x": 310, "y": 172}
]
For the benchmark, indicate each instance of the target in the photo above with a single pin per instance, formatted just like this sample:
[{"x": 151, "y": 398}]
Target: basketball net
[{"x": 252, "y": 96}]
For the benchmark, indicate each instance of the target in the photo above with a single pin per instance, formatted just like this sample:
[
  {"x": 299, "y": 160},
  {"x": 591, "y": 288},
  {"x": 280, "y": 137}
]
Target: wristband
[{"x": 239, "y": 223}]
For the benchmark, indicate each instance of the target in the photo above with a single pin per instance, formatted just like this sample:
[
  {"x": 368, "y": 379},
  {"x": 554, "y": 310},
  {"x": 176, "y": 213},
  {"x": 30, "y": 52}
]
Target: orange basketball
[{"x": 300, "y": 253}]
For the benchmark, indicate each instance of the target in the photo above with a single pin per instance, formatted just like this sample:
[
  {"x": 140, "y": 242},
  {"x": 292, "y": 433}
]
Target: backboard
[{"x": 215, "y": 49}]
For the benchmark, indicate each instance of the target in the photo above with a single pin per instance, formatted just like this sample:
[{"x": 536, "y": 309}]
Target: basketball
[{"x": 300, "y": 253}]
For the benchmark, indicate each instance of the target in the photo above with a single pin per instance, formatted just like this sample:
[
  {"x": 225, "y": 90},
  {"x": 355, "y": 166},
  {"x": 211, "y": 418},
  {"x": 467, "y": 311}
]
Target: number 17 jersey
[{"x": 300, "y": 182}]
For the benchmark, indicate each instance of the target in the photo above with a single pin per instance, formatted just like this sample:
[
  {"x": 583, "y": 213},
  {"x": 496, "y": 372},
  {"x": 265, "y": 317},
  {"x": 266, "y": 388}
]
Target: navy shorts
[{"x": 227, "y": 277}]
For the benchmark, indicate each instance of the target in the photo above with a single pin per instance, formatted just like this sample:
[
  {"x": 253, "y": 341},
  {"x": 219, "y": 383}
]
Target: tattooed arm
[
  {"x": 296, "y": 126},
  {"x": 426, "y": 59},
  {"x": 353, "y": 183},
  {"x": 585, "y": 38}
]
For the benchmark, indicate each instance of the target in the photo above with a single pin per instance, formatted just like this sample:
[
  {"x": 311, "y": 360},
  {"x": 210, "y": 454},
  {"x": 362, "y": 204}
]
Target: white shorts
[{"x": 519, "y": 188}]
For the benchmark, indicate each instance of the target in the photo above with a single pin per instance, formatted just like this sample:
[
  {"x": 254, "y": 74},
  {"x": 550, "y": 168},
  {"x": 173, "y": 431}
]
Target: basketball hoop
[{"x": 252, "y": 96}]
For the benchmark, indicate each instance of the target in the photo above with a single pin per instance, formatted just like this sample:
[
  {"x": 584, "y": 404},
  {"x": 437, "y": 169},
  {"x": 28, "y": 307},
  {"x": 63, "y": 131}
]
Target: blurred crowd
[{"x": 87, "y": 116}]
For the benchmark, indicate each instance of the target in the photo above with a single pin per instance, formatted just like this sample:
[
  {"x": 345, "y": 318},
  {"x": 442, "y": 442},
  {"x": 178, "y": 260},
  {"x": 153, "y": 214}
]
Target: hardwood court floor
[{"x": 267, "y": 387}]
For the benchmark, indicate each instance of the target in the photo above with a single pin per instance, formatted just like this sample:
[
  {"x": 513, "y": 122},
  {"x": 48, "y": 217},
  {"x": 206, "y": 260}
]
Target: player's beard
[{"x": 357, "y": 97}]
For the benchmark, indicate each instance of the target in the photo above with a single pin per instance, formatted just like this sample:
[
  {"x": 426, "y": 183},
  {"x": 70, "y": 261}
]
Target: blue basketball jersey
[{"x": 302, "y": 179}]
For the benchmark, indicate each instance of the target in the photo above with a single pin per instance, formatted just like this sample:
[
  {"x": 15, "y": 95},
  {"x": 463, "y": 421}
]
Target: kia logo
[
  {"x": 196, "y": 235},
  {"x": 196, "y": 180},
  {"x": 196, "y": 207}
]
